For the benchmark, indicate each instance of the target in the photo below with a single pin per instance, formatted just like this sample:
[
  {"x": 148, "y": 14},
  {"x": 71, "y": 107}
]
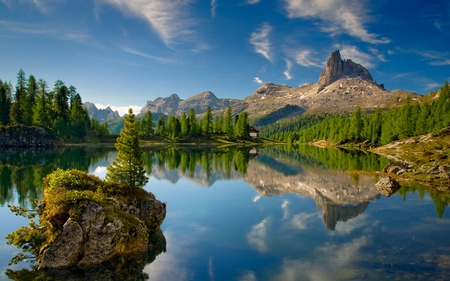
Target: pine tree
[
  {"x": 17, "y": 108},
  {"x": 147, "y": 127},
  {"x": 193, "y": 130},
  {"x": 356, "y": 125},
  {"x": 227, "y": 126},
  {"x": 242, "y": 126},
  {"x": 128, "y": 166},
  {"x": 41, "y": 114},
  {"x": 5, "y": 104},
  {"x": 161, "y": 126},
  {"x": 30, "y": 100},
  {"x": 207, "y": 120},
  {"x": 184, "y": 123}
]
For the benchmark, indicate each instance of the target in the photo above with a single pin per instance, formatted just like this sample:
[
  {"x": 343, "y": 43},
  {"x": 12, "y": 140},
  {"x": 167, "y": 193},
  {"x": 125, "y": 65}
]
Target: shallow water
[{"x": 280, "y": 213}]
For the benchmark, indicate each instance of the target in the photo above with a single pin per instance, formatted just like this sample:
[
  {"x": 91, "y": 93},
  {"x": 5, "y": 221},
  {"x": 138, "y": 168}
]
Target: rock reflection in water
[{"x": 124, "y": 267}]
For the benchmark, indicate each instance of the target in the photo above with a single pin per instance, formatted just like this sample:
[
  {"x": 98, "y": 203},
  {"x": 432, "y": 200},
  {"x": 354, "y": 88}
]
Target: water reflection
[
  {"x": 257, "y": 218},
  {"x": 125, "y": 267}
]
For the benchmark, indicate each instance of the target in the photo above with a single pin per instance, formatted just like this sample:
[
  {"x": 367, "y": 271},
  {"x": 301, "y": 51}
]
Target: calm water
[{"x": 272, "y": 214}]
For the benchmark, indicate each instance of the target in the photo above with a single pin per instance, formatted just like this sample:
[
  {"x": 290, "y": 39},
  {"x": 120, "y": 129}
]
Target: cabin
[{"x": 253, "y": 132}]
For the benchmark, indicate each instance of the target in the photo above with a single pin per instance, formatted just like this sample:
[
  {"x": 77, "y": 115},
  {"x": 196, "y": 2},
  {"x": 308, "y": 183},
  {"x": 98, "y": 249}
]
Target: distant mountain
[
  {"x": 100, "y": 115},
  {"x": 173, "y": 105},
  {"x": 343, "y": 86}
]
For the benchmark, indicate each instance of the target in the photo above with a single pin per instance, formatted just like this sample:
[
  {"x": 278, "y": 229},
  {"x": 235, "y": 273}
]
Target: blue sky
[{"x": 125, "y": 52}]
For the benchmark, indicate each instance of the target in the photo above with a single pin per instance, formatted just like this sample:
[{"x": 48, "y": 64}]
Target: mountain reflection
[{"x": 271, "y": 171}]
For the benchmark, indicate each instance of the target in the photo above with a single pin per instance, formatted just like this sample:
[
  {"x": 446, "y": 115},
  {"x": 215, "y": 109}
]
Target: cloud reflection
[{"x": 257, "y": 236}]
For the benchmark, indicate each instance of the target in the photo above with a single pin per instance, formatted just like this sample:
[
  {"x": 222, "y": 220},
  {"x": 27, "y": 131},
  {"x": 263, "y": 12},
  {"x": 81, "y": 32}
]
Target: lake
[{"x": 275, "y": 213}]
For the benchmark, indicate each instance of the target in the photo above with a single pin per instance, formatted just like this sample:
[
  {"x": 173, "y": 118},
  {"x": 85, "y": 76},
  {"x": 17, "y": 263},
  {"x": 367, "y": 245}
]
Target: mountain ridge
[{"x": 343, "y": 86}]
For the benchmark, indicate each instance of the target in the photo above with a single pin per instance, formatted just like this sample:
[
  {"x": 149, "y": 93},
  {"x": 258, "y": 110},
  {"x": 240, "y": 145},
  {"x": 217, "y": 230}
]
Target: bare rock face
[
  {"x": 387, "y": 186},
  {"x": 338, "y": 68},
  {"x": 65, "y": 249},
  {"x": 24, "y": 136},
  {"x": 97, "y": 234}
]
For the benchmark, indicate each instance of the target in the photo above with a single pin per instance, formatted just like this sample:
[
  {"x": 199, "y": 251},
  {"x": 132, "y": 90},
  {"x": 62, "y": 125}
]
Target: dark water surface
[{"x": 279, "y": 213}]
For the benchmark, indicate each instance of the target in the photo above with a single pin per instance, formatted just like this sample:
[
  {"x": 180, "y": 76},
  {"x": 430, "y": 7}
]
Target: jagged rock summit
[
  {"x": 338, "y": 68},
  {"x": 100, "y": 114},
  {"x": 173, "y": 105}
]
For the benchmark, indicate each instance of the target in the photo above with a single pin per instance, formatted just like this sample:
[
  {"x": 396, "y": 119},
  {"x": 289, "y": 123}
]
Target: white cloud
[
  {"x": 433, "y": 86},
  {"x": 257, "y": 80},
  {"x": 213, "y": 7},
  {"x": 287, "y": 72},
  {"x": 169, "y": 18},
  {"x": 336, "y": 17},
  {"x": 306, "y": 58},
  {"x": 121, "y": 109},
  {"x": 156, "y": 58},
  {"x": 260, "y": 41},
  {"x": 352, "y": 52},
  {"x": 251, "y": 2},
  {"x": 248, "y": 276},
  {"x": 377, "y": 53},
  {"x": 435, "y": 58}
]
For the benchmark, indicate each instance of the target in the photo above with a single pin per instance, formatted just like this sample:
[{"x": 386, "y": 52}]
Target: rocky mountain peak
[
  {"x": 337, "y": 68},
  {"x": 100, "y": 114}
]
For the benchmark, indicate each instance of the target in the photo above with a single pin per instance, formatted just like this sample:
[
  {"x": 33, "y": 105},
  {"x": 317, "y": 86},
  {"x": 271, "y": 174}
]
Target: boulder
[{"x": 387, "y": 186}]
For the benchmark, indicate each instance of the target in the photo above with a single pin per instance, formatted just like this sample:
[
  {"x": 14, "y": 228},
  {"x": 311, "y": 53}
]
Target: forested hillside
[
  {"x": 32, "y": 103},
  {"x": 377, "y": 128}
]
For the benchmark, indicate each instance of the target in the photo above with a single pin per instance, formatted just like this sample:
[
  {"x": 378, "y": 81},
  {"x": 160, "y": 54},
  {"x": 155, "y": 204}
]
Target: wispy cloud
[
  {"x": 306, "y": 58},
  {"x": 257, "y": 80},
  {"x": 261, "y": 42},
  {"x": 378, "y": 54},
  {"x": 432, "y": 86},
  {"x": 213, "y": 7},
  {"x": 336, "y": 17},
  {"x": 250, "y": 2},
  {"x": 156, "y": 58},
  {"x": 169, "y": 18},
  {"x": 435, "y": 58},
  {"x": 287, "y": 72},
  {"x": 353, "y": 53},
  {"x": 64, "y": 33}
]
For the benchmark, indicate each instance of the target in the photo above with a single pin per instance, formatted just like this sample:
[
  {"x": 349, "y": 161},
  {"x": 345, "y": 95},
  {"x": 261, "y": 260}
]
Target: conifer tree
[
  {"x": 17, "y": 108},
  {"x": 128, "y": 166},
  {"x": 356, "y": 125},
  {"x": 193, "y": 130},
  {"x": 41, "y": 112},
  {"x": 207, "y": 120},
  {"x": 30, "y": 100},
  {"x": 5, "y": 104},
  {"x": 161, "y": 126},
  {"x": 184, "y": 123},
  {"x": 147, "y": 127}
]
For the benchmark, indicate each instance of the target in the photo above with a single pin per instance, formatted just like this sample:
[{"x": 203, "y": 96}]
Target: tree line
[
  {"x": 32, "y": 103},
  {"x": 380, "y": 127},
  {"x": 187, "y": 125}
]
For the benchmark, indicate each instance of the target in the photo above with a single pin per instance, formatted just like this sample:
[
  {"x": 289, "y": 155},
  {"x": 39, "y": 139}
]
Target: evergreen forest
[
  {"x": 379, "y": 127},
  {"x": 32, "y": 103}
]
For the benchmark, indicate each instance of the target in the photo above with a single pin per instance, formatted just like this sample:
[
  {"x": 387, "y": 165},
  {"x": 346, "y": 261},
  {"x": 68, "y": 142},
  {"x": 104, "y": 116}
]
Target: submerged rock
[{"x": 387, "y": 186}]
